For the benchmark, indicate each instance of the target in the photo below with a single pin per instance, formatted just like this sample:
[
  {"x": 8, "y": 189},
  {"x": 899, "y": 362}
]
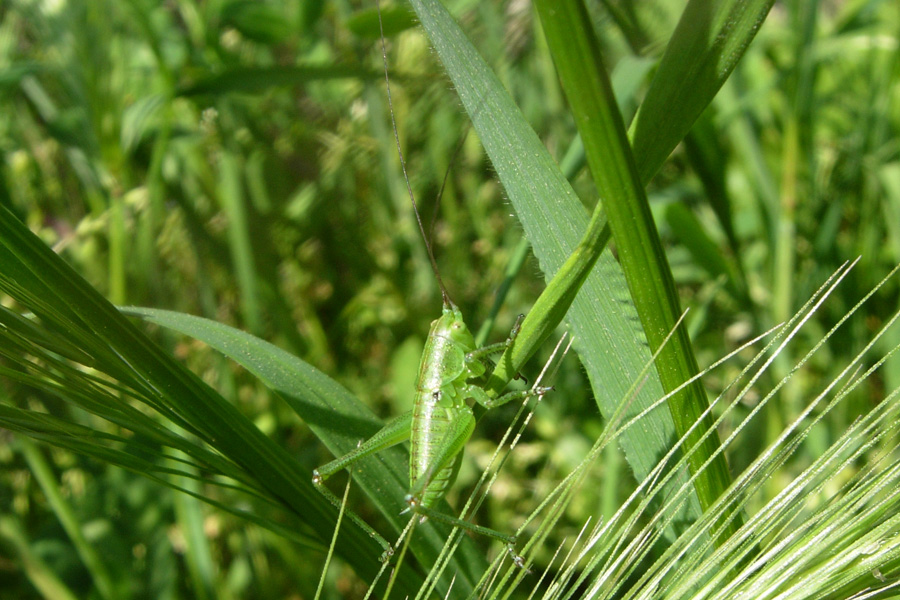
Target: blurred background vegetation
[{"x": 234, "y": 159}]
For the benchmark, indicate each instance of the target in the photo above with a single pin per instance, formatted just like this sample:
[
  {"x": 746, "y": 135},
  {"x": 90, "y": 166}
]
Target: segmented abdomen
[{"x": 430, "y": 426}]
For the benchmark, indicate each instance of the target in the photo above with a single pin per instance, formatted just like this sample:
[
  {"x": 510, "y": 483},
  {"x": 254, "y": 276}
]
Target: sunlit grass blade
[
  {"x": 199, "y": 551},
  {"x": 231, "y": 195}
]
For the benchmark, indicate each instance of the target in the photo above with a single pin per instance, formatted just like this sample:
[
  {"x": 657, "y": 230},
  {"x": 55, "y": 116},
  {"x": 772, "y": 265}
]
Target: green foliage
[{"x": 234, "y": 160}]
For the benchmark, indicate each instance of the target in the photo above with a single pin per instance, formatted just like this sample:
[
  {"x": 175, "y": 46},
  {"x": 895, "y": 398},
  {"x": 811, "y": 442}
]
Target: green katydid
[{"x": 451, "y": 374}]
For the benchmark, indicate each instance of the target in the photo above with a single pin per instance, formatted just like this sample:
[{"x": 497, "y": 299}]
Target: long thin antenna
[
  {"x": 440, "y": 196},
  {"x": 444, "y": 295}
]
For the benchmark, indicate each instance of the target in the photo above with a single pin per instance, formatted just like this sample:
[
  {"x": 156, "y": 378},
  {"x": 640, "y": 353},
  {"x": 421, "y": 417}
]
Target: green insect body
[
  {"x": 442, "y": 420},
  {"x": 440, "y": 403}
]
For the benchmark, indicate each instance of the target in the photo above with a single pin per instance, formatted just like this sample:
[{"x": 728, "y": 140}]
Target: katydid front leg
[{"x": 478, "y": 393}]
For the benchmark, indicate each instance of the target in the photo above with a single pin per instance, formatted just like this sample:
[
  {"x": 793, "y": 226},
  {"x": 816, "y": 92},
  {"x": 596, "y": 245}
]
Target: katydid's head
[{"x": 455, "y": 327}]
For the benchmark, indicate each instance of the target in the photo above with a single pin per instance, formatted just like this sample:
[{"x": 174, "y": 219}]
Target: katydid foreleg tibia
[{"x": 451, "y": 375}]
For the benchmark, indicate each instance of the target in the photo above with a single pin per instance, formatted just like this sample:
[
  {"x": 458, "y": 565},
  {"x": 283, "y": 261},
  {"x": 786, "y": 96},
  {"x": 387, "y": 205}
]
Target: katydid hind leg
[
  {"x": 358, "y": 520},
  {"x": 394, "y": 432}
]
